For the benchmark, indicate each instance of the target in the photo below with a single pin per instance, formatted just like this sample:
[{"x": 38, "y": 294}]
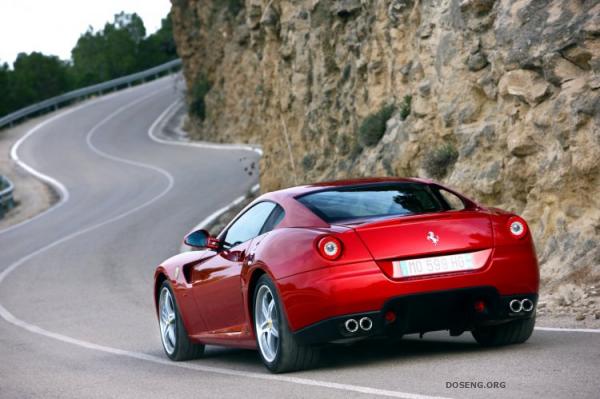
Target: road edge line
[
  {"x": 567, "y": 329},
  {"x": 171, "y": 110}
]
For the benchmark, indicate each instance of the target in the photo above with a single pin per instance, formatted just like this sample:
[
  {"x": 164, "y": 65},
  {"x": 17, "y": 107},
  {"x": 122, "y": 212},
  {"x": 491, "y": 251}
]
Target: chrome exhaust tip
[
  {"x": 527, "y": 305},
  {"x": 351, "y": 325},
  {"x": 515, "y": 306},
  {"x": 366, "y": 323}
]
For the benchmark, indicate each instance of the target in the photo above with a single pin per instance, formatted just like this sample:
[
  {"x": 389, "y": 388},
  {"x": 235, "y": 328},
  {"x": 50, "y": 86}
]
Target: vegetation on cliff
[{"x": 372, "y": 127}]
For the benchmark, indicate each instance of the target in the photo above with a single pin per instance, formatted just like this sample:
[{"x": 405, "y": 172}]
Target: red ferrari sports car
[{"x": 349, "y": 260}]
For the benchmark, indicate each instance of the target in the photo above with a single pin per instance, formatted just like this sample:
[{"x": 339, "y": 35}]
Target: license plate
[{"x": 433, "y": 265}]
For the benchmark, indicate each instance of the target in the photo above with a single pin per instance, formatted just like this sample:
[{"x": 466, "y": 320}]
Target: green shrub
[
  {"x": 372, "y": 127},
  {"x": 439, "y": 161},
  {"x": 346, "y": 73},
  {"x": 405, "y": 107},
  {"x": 308, "y": 162},
  {"x": 199, "y": 91}
]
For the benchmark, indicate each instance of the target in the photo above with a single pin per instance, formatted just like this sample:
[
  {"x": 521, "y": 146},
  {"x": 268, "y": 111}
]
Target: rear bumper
[
  {"x": 360, "y": 288},
  {"x": 441, "y": 310}
]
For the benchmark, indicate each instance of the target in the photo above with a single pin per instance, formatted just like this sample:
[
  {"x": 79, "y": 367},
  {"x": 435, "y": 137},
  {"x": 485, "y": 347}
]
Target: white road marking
[
  {"x": 91, "y": 145},
  {"x": 10, "y": 318},
  {"x": 199, "y": 144},
  {"x": 58, "y": 186},
  {"x": 208, "y": 369},
  {"x": 558, "y": 329}
]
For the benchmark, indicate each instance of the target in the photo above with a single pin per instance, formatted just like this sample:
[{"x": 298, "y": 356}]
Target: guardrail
[
  {"x": 55, "y": 102},
  {"x": 6, "y": 195}
]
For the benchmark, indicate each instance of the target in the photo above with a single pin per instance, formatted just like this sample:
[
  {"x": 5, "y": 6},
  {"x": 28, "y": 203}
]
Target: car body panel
[
  {"x": 214, "y": 289},
  {"x": 407, "y": 236},
  {"x": 217, "y": 281}
]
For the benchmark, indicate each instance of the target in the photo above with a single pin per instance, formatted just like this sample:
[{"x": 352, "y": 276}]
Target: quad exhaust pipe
[
  {"x": 527, "y": 305},
  {"x": 523, "y": 305},
  {"x": 352, "y": 325},
  {"x": 366, "y": 323},
  {"x": 515, "y": 306}
]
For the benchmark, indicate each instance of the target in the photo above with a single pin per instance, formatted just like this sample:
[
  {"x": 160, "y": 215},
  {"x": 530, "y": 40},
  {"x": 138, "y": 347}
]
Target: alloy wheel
[
  {"x": 167, "y": 320},
  {"x": 266, "y": 323}
]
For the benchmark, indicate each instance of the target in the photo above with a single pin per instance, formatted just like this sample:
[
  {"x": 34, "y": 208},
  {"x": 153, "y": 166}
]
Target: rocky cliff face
[{"x": 499, "y": 99}]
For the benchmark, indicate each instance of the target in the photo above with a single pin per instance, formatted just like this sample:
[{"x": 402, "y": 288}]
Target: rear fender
[
  {"x": 289, "y": 251},
  {"x": 500, "y": 227}
]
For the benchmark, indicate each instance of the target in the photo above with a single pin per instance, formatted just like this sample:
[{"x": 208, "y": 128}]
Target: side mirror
[{"x": 201, "y": 239}]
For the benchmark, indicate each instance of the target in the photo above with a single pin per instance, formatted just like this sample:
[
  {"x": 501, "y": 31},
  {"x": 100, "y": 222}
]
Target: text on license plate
[{"x": 433, "y": 265}]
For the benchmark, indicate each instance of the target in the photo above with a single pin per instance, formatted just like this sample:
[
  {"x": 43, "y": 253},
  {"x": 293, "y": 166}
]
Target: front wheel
[
  {"x": 174, "y": 337},
  {"x": 279, "y": 350},
  {"x": 514, "y": 332}
]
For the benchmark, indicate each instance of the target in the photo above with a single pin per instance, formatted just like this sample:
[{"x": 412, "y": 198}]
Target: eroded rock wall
[{"x": 499, "y": 99}]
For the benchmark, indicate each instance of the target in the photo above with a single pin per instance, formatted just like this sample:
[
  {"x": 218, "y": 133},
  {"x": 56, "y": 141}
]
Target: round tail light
[
  {"x": 330, "y": 248},
  {"x": 517, "y": 227}
]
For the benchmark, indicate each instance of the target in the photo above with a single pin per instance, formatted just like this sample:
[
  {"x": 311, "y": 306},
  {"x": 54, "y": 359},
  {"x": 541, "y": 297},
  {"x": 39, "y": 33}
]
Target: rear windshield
[{"x": 349, "y": 203}]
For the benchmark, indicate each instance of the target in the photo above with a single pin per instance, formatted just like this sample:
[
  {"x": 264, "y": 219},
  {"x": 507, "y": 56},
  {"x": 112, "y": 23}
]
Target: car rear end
[{"x": 431, "y": 260}]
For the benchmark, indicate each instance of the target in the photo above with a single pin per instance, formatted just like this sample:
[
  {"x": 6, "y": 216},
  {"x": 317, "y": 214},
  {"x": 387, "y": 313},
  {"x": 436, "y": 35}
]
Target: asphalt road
[{"x": 77, "y": 316}]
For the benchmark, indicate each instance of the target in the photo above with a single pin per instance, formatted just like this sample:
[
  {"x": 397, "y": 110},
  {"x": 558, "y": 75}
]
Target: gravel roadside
[{"x": 31, "y": 195}]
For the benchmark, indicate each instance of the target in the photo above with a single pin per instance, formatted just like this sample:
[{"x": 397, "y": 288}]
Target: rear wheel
[
  {"x": 174, "y": 337},
  {"x": 278, "y": 348},
  {"x": 514, "y": 332}
]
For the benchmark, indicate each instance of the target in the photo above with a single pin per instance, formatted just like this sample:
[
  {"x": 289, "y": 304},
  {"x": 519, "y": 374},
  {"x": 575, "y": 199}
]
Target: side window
[
  {"x": 249, "y": 224},
  {"x": 454, "y": 202},
  {"x": 274, "y": 218}
]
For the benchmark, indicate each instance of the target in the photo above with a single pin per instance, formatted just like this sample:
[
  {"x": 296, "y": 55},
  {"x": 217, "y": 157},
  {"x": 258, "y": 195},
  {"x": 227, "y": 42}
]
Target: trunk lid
[{"x": 426, "y": 235}]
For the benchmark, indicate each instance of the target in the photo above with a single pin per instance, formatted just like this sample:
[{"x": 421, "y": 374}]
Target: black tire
[
  {"x": 184, "y": 348},
  {"x": 290, "y": 355},
  {"x": 514, "y": 332}
]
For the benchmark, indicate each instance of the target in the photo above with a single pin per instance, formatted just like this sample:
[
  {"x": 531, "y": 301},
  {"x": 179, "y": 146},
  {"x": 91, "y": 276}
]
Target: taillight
[
  {"x": 330, "y": 247},
  {"x": 517, "y": 227}
]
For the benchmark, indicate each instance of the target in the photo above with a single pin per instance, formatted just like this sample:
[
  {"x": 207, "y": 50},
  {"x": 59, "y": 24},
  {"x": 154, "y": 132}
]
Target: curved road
[{"x": 76, "y": 283}]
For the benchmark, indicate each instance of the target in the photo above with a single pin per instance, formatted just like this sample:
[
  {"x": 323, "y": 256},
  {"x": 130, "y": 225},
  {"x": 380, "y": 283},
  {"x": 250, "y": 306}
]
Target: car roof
[{"x": 298, "y": 215}]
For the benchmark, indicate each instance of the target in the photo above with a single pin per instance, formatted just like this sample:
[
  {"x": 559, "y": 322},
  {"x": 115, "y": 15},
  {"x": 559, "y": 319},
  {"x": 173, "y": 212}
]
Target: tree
[
  {"x": 110, "y": 52},
  {"x": 36, "y": 77},
  {"x": 132, "y": 23},
  {"x": 159, "y": 47},
  {"x": 5, "y": 93}
]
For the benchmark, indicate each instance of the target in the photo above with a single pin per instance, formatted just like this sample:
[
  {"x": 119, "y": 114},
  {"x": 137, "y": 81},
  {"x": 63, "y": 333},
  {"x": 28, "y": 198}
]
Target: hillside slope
[{"x": 499, "y": 99}]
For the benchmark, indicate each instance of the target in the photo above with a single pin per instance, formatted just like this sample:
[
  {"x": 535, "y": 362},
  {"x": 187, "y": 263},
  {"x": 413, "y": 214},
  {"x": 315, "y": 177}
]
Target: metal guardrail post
[
  {"x": 55, "y": 102},
  {"x": 7, "y": 201}
]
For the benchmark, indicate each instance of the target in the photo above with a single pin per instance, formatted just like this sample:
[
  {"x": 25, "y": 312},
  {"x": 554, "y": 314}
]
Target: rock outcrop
[{"x": 499, "y": 99}]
